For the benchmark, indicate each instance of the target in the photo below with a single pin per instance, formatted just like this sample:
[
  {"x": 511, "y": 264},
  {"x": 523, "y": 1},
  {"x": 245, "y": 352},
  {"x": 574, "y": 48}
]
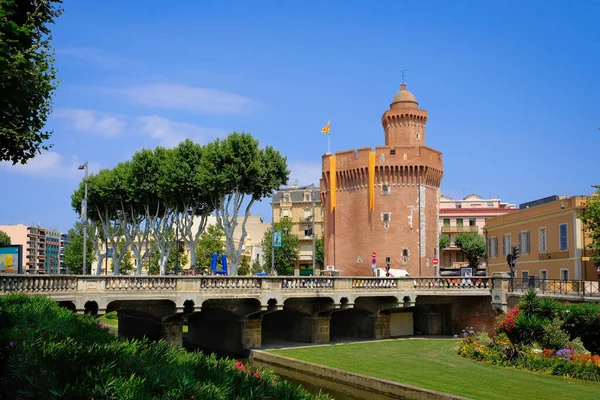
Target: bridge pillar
[
  {"x": 321, "y": 329},
  {"x": 136, "y": 327},
  {"x": 500, "y": 288},
  {"x": 381, "y": 326},
  {"x": 172, "y": 332},
  {"x": 251, "y": 330}
]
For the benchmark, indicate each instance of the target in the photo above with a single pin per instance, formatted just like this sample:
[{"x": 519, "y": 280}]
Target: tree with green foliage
[
  {"x": 472, "y": 245},
  {"x": 174, "y": 260},
  {"x": 257, "y": 267},
  {"x": 4, "y": 239},
  {"x": 237, "y": 172},
  {"x": 27, "y": 76},
  {"x": 444, "y": 242},
  {"x": 126, "y": 266},
  {"x": 591, "y": 222},
  {"x": 74, "y": 251},
  {"x": 287, "y": 253},
  {"x": 320, "y": 253},
  {"x": 211, "y": 241},
  {"x": 244, "y": 268}
]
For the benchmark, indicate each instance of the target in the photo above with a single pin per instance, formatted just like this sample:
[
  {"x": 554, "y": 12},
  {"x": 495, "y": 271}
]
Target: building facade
[
  {"x": 301, "y": 205},
  {"x": 52, "y": 251},
  {"x": 65, "y": 240},
  {"x": 466, "y": 215},
  {"x": 33, "y": 240},
  {"x": 384, "y": 202},
  {"x": 550, "y": 236}
]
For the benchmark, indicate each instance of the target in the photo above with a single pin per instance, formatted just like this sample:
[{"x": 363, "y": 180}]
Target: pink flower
[
  {"x": 240, "y": 366},
  {"x": 101, "y": 325},
  {"x": 257, "y": 374},
  {"x": 11, "y": 344}
]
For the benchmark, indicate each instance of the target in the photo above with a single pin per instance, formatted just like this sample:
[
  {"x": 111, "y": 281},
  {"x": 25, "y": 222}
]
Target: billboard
[{"x": 10, "y": 259}]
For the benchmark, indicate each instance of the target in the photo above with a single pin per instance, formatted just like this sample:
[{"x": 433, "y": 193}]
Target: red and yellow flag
[{"x": 327, "y": 127}]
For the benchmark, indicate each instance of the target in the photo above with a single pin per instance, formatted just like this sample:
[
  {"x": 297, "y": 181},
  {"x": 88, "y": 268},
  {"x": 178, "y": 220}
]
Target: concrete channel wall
[{"x": 344, "y": 381}]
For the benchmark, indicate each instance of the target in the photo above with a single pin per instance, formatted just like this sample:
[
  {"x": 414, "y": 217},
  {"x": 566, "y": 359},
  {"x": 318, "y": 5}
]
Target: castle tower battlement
[{"x": 384, "y": 200}]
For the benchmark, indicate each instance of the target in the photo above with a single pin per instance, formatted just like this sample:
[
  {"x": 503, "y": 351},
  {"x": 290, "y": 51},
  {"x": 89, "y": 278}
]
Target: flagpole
[{"x": 329, "y": 143}]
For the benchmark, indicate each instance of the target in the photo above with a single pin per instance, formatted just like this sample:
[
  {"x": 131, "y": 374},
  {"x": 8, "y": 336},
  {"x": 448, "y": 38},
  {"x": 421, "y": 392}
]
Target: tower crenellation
[{"x": 384, "y": 200}]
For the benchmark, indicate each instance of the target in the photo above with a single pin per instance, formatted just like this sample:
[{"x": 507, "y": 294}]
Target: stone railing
[
  {"x": 37, "y": 284},
  {"x": 374, "y": 283},
  {"x": 309, "y": 282},
  {"x": 133, "y": 283},
  {"x": 10, "y": 283},
  {"x": 241, "y": 283},
  {"x": 452, "y": 283}
]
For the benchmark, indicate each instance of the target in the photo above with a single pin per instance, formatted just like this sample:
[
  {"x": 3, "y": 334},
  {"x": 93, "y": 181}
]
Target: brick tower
[{"x": 384, "y": 201}]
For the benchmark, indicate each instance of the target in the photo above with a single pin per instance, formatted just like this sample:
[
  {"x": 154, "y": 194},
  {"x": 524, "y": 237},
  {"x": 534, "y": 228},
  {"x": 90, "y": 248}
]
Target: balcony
[{"x": 459, "y": 229}]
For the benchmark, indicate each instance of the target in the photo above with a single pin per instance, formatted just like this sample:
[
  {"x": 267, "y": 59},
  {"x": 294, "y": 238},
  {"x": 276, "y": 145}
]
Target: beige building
[
  {"x": 550, "y": 236},
  {"x": 297, "y": 204},
  {"x": 467, "y": 215},
  {"x": 33, "y": 240}
]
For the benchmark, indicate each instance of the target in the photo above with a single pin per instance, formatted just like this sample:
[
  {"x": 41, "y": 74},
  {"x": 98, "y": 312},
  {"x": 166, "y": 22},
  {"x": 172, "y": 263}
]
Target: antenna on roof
[{"x": 403, "y": 71}]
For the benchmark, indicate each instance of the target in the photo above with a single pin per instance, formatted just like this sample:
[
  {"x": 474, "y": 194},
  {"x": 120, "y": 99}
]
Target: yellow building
[
  {"x": 297, "y": 203},
  {"x": 550, "y": 236}
]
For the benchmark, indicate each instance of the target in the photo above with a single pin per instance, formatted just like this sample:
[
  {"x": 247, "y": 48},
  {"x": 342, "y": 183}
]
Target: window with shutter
[
  {"x": 564, "y": 241},
  {"x": 542, "y": 240}
]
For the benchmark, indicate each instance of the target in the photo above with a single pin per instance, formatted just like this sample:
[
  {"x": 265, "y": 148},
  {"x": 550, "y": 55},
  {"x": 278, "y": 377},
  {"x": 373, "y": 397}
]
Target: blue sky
[{"x": 512, "y": 89}]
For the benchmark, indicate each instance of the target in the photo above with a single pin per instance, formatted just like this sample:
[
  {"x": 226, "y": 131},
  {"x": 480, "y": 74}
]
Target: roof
[
  {"x": 297, "y": 193},
  {"x": 404, "y": 98}
]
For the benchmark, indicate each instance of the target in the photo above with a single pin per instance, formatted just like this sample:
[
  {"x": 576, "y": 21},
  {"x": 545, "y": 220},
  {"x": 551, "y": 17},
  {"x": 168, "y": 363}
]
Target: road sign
[
  {"x": 373, "y": 255},
  {"x": 435, "y": 261},
  {"x": 585, "y": 259}
]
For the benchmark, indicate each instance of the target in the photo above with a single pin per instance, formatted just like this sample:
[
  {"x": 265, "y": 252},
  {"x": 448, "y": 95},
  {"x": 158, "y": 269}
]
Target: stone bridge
[{"x": 235, "y": 314}]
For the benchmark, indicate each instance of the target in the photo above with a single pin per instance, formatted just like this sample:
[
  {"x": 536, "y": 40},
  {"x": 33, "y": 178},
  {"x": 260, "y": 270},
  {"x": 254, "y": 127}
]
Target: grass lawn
[
  {"x": 114, "y": 323},
  {"x": 434, "y": 364}
]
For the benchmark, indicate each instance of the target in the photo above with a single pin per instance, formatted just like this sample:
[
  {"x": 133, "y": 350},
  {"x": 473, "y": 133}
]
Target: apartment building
[
  {"x": 65, "y": 240},
  {"x": 467, "y": 215},
  {"x": 52, "y": 261},
  {"x": 550, "y": 236},
  {"x": 302, "y": 205},
  {"x": 33, "y": 240}
]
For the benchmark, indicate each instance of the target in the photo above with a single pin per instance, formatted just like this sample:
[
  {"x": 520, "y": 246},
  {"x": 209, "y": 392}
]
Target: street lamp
[{"x": 84, "y": 216}]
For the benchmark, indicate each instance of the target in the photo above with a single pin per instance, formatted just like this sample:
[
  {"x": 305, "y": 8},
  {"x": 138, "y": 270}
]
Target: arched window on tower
[{"x": 404, "y": 256}]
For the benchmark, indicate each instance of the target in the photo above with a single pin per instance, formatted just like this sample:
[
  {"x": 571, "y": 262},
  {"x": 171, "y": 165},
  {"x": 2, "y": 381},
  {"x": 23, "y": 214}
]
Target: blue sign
[
  {"x": 277, "y": 239},
  {"x": 10, "y": 259},
  {"x": 109, "y": 252}
]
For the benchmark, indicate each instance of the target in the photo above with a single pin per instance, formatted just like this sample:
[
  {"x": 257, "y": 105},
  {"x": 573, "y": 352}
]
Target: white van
[{"x": 394, "y": 273}]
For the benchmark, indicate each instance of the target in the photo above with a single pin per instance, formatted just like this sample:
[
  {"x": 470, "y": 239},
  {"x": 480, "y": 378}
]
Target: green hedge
[{"x": 47, "y": 352}]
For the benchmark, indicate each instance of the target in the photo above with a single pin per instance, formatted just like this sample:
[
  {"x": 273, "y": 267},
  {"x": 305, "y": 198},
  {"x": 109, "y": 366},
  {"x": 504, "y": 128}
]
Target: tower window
[
  {"x": 385, "y": 189},
  {"x": 404, "y": 256},
  {"x": 418, "y": 135},
  {"x": 405, "y": 156},
  {"x": 392, "y": 152},
  {"x": 386, "y": 217}
]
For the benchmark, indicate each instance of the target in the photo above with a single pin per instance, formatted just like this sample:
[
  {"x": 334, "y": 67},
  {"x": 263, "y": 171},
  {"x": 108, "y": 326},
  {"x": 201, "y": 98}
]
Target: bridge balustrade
[{"x": 37, "y": 283}]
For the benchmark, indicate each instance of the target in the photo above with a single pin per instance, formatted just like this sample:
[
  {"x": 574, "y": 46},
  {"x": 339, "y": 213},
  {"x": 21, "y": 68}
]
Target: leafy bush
[
  {"x": 111, "y": 315},
  {"x": 583, "y": 321},
  {"x": 48, "y": 352},
  {"x": 549, "y": 308},
  {"x": 529, "y": 304},
  {"x": 554, "y": 337},
  {"x": 528, "y": 329}
]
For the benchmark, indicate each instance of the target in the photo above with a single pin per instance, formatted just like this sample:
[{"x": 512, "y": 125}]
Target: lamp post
[
  {"x": 84, "y": 216},
  {"x": 312, "y": 197}
]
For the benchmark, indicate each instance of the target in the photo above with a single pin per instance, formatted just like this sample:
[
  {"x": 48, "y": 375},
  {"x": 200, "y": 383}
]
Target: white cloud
[
  {"x": 306, "y": 172},
  {"x": 190, "y": 98},
  {"x": 50, "y": 164},
  {"x": 91, "y": 121},
  {"x": 98, "y": 57},
  {"x": 161, "y": 130},
  {"x": 170, "y": 133}
]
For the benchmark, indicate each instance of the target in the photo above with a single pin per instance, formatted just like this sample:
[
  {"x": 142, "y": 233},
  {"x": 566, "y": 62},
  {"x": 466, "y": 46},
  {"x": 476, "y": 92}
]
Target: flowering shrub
[
  {"x": 508, "y": 323},
  {"x": 49, "y": 352},
  {"x": 539, "y": 335}
]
